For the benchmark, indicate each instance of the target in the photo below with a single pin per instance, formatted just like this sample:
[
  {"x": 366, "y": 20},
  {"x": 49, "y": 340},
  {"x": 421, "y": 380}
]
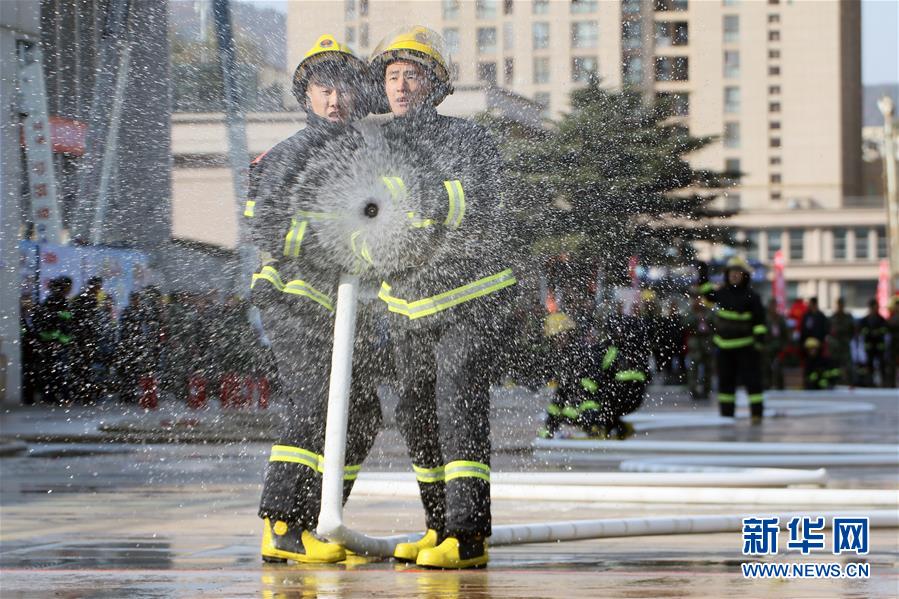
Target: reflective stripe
[
  {"x": 317, "y": 215},
  {"x": 64, "y": 314},
  {"x": 731, "y": 315},
  {"x": 706, "y": 287},
  {"x": 395, "y": 186},
  {"x": 553, "y": 410},
  {"x": 609, "y": 357},
  {"x": 294, "y": 238},
  {"x": 428, "y": 475},
  {"x": 464, "y": 469},
  {"x": 813, "y": 376},
  {"x": 438, "y": 303},
  {"x": 569, "y": 412},
  {"x": 733, "y": 343},
  {"x": 249, "y": 209},
  {"x": 295, "y": 287},
  {"x": 298, "y": 455},
  {"x": 417, "y": 222},
  {"x": 63, "y": 338},
  {"x": 756, "y": 398},
  {"x": 630, "y": 375},
  {"x": 589, "y": 385},
  {"x": 759, "y": 329},
  {"x": 456, "y": 196},
  {"x": 727, "y": 397},
  {"x": 588, "y": 405},
  {"x": 361, "y": 251}
]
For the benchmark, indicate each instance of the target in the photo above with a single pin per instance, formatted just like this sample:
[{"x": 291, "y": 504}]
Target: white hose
[{"x": 717, "y": 447}]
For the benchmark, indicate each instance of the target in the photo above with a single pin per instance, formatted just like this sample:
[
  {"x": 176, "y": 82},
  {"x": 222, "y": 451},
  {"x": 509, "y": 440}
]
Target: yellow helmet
[
  {"x": 738, "y": 263},
  {"x": 417, "y": 44},
  {"x": 812, "y": 343},
  {"x": 556, "y": 324},
  {"x": 326, "y": 49}
]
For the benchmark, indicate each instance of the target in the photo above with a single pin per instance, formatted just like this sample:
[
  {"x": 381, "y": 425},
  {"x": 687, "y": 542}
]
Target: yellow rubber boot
[
  {"x": 408, "y": 552},
  {"x": 281, "y": 543},
  {"x": 451, "y": 554}
]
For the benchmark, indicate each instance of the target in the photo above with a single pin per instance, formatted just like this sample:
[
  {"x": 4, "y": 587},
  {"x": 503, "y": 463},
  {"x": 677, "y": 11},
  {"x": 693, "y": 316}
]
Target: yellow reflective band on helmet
[
  {"x": 727, "y": 397},
  {"x": 456, "y": 196},
  {"x": 731, "y": 315},
  {"x": 628, "y": 376},
  {"x": 295, "y": 287},
  {"x": 733, "y": 343},
  {"x": 569, "y": 412},
  {"x": 249, "y": 209},
  {"x": 417, "y": 222},
  {"x": 553, "y": 410},
  {"x": 589, "y": 385},
  {"x": 609, "y": 357},
  {"x": 464, "y": 469},
  {"x": 759, "y": 329},
  {"x": 360, "y": 249},
  {"x": 396, "y": 187},
  {"x": 294, "y": 238},
  {"x": 428, "y": 475},
  {"x": 315, "y": 461},
  {"x": 454, "y": 297}
]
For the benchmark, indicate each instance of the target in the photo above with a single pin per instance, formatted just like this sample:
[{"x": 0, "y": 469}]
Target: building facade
[{"x": 778, "y": 81}]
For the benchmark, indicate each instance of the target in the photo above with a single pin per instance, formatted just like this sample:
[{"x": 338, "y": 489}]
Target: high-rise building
[{"x": 778, "y": 81}]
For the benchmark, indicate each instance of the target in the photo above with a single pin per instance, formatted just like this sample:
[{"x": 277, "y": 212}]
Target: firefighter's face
[
  {"x": 331, "y": 101},
  {"x": 735, "y": 276},
  {"x": 407, "y": 86}
]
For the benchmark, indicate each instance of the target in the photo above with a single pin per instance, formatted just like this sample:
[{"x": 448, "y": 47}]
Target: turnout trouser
[
  {"x": 739, "y": 365},
  {"x": 301, "y": 342},
  {"x": 444, "y": 416}
]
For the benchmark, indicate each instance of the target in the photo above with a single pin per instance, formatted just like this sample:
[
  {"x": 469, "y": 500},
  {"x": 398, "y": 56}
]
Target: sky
[{"x": 880, "y": 38}]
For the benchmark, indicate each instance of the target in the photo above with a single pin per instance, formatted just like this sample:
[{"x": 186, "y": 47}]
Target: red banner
[{"x": 778, "y": 284}]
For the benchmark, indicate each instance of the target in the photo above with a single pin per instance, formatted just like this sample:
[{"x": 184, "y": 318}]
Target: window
[
  {"x": 792, "y": 291},
  {"x": 632, "y": 34},
  {"x": 508, "y": 36},
  {"x": 773, "y": 71},
  {"x": 774, "y": 18},
  {"x": 508, "y": 71},
  {"x": 731, "y": 63},
  {"x": 671, "y": 5},
  {"x": 775, "y": 178},
  {"x": 773, "y": 1},
  {"x": 350, "y": 35},
  {"x": 630, "y": 7},
  {"x": 542, "y": 98},
  {"x": 583, "y": 6},
  {"x": 731, "y": 100},
  {"x": 774, "y": 160},
  {"x": 731, "y": 28},
  {"x": 672, "y": 33},
  {"x": 363, "y": 35},
  {"x": 861, "y": 244},
  {"x": 774, "y": 125},
  {"x": 541, "y": 70},
  {"x": 882, "y": 242},
  {"x": 672, "y": 68},
  {"x": 508, "y": 6},
  {"x": 633, "y": 70},
  {"x": 363, "y": 8},
  {"x": 450, "y": 9},
  {"x": 774, "y": 142},
  {"x": 486, "y": 40},
  {"x": 839, "y": 244},
  {"x": 541, "y": 35},
  {"x": 774, "y": 36},
  {"x": 730, "y": 2},
  {"x": 584, "y": 68},
  {"x": 451, "y": 37},
  {"x": 485, "y": 9},
  {"x": 773, "y": 106},
  {"x": 541, "y": 7},
  {"x": 773, "y": 54},
  {"x": 774, "y": 90},
  {"x": 776, "y": 196},
  {"x": 678, "y": 104},
  {"x": 797, "y": 247},
  {"x": 775, "y": 243},
  {"x": 487, "y": 72},
  {"x": 752, "y": 240},
  {"x": 731, "y": 135},
  {"x": 732, "y": 165},
  {"x": 349, "y": 9},
  {"x": 584, "y": 34}
]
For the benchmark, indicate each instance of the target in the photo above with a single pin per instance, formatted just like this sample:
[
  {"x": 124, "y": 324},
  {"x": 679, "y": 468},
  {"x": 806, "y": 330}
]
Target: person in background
[
  {"x": 842, "y": 334},
  {"x": 777, "y": 340},
  {"x": 873, "y": 329},
  {"x": 88, "y": 319},
  {"x": 54, "y": 326},
  {"x": 892, "y": 346},
  {"x": 818, "y": 372},
  {"x": 814, "y": 324},
  {"x": 700, "y": 350}
]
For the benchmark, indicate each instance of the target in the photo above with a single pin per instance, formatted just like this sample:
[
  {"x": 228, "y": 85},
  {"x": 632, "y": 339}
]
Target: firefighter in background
[
  {"x": 55, "y": 327},
  {"x": 294, "y": 296},
  {"x": 873, "y": 329},
  {"x": 777, "y": 340},
  {"x": 819, "y": 372},
  {"x": 739, "y": 336},
  {"x": 569, "y": 373},
  {"x": 699, "y": 350},
  {"x": 892, "y": 347},
  {"x": 446, "y": 318},
  {"x": 842, "y": 333}
]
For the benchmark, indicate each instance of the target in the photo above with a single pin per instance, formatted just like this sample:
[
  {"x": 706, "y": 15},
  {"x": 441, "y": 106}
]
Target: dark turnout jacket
[{"x": 739, "y": 318}]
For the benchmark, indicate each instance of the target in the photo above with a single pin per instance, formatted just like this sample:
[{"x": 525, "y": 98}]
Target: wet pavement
[{"x": 95, "y": 519}]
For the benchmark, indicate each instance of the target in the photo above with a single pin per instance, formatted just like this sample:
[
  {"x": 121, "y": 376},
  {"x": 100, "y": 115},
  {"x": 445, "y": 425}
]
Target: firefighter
[
  {"x": 295, "y": 298},
  {"x": 88, "y": 316},
  {"x": 842, "y": 333},
  {"x": 571, "y": 375},
  {"x": 699, "y": 351},
  {"x": 777, "y": 340},
  {"x": 622, "y": 378},
  {"x": 55, "y": 328},
  {"x": 445, "y": 317},
  {"x": 873, "y": 329},
  {"x": 739, "y": 335},
  {"x": 819, "y": 371}
]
